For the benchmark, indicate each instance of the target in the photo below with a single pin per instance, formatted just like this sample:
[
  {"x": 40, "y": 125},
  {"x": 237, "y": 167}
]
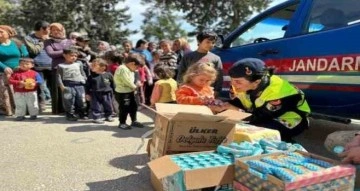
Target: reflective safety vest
[{"x": 276, "y": 90}]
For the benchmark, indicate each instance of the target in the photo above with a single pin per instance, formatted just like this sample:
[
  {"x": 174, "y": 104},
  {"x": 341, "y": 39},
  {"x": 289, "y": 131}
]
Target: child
[
  {"x": 196, "y": 89},
  {"x": 168, "y": 57},
  {"x": 145, "y": 80},
  {"x": 125, "y": 90},
  {"x": 71, "y": 78},
  {"x": 156, "y": 60},
  {"x": 99, "y": 87},
  {"x": 165, "y": 87},
  {"x": 25, "y": 82},
  {"x": 115, "y": 60}
]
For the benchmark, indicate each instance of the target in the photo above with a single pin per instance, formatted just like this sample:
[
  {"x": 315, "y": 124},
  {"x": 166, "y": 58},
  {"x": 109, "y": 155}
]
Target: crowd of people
[{"x": 100, "y": 84}]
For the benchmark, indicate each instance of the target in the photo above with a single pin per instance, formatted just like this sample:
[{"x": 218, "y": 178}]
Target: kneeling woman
[{"x": 273, "y": 102}]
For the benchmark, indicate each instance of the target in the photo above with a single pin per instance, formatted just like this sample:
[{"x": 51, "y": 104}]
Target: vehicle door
[{"x": 260, "y": 38}]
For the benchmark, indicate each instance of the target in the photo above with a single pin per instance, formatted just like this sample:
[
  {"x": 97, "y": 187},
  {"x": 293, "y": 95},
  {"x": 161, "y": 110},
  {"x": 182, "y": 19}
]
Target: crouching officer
[{"x": 273, "y": 102}]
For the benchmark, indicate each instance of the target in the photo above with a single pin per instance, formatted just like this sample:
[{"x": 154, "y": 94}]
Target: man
[
  {"x": 206, "y": 41},
  {"x": 35, "y": 45}
]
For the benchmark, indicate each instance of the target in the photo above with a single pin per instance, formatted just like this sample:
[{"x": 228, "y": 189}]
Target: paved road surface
[{"x": 52, "y": 154}]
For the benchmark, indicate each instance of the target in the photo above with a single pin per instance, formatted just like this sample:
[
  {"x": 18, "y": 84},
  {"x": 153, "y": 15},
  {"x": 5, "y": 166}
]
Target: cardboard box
[
  {"x": 189, "y": 128},
  {"x": 166, "y": 175},
  {"x": 340, "y": 184},
  {"x": 338, "y": 177},
  {"x": 251, "y": 133}
]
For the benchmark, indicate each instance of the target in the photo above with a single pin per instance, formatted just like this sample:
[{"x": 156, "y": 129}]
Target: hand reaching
[
  {"x": 355, "y": 142},
  {"x": 351, "y": 156}
]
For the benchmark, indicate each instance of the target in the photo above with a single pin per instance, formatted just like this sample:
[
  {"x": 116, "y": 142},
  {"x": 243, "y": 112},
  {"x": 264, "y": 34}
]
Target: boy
[
  {"x": 99, "y": 87},
  {"x": 71, "y": 79},
  {"x": 25, "y": 82},
  {"x": 125, "y": 90},
  {"x": 206, "y": 41}
]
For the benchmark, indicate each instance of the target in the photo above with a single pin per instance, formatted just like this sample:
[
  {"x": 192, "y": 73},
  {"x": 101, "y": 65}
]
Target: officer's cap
[{"x": 247, "y": 67}]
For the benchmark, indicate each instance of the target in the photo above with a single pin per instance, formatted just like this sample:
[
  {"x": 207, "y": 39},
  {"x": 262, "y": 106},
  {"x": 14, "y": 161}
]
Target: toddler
[
  {"x": 25, "y": 82},
  {"x": 99, "y": 87},
  {"x": 196, "y": 89}
]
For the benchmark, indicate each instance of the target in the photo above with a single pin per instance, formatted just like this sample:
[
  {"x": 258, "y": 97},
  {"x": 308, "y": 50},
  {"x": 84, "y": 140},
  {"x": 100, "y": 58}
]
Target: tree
[
  {"x": 99, "y": 19},
  {"x": 5, "y": 7},
  {"x": 160, "y": 23},
  {"x": 220, "y": 16}
]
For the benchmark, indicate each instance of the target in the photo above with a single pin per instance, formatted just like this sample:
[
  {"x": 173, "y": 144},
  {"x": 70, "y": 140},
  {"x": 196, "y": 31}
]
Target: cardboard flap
[
  {"x": 233, "y": 115},
  {"x": 202, "y": 178},
  {"x": 176, "y": 108},
  {"x": 183, "y": 116},
  {"x": 163, "y": 167}
]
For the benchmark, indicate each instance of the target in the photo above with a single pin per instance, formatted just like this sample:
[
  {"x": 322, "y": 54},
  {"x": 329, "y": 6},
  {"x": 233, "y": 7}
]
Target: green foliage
[
  {"x": 220, "y": 16},
  {"x": 160, "y": 23},
  {"x": 99, "y": 19},
  {"x": 5, "y": 8}
]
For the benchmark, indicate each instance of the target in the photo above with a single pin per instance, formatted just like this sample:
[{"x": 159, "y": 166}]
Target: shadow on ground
[
  {"x": 138, "y": 181},
  {"x": 45, "y": 119},
  {"x": 134, "y": 132}
]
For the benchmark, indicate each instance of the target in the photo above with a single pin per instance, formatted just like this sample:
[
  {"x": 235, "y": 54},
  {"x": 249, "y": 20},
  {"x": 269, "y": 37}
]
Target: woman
[
  {"x": 181, "y": 47},
  {"x": 273, "y": 102},
  {"x": 54, "y": 48},
  {"x": 10, "y": 52},
  {"x": 103, "y": 47}
]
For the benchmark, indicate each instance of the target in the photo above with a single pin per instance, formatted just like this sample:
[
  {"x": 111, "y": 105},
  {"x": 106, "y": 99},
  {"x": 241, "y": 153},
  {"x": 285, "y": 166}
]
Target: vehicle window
[
  {"x": 332, "y": 14},
  {"x": 271, "y": 27}
]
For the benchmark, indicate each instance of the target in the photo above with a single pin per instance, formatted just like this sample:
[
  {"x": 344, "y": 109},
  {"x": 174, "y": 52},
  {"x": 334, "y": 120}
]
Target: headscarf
[
  {"x": 60, "y": 27},
  {"x": 11, "y": 31},
  {"x": 106, "y": 45}
]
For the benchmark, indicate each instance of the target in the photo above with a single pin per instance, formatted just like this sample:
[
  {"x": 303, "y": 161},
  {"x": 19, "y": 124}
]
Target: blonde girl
[{"x": 196, "y": 88}]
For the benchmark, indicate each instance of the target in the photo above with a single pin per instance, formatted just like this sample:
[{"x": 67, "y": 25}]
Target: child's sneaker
[
  {"x": 124, "y": 126},
  {"x": 98, "y": 121},
  {"x": 109, "y": 119},
  {"x": 83, "y": 116},
  {"x": 137, "y": 124},
  {"x": 19, "y": 118},
  {"x": 71, "y": 117},
  {"x": 33, "y": 117}
]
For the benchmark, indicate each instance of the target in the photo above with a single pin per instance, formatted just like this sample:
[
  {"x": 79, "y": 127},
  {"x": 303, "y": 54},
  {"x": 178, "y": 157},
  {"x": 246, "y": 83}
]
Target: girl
[
  {"x": 168, "y": 57},
  {"x": 196, "y": 89},
  {"x": 165, "y": 87},
  {"x": 145, "y": 80}
]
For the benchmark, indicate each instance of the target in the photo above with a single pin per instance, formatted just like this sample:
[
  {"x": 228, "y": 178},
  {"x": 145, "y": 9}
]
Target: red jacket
[
  {"x": 26, "y": 76},
  {"x": 187, "y": 94},
  {"x": 113, "y": 67}
]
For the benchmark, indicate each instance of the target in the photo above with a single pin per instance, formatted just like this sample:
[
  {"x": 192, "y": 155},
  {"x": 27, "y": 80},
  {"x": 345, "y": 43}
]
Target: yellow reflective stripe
[{"x": 289, "y": 119}]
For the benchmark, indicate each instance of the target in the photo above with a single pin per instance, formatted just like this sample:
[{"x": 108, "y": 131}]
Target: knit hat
[
  {"x": 247, "y": 67},
  {"x": 11, "y": 31}
]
